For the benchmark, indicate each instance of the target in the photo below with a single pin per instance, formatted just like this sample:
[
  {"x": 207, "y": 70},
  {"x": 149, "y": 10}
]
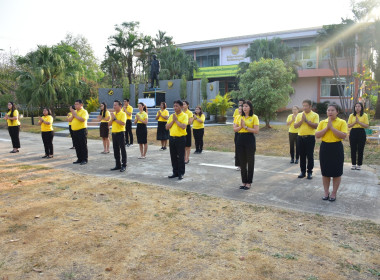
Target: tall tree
[{"x": 267, "y": 83}]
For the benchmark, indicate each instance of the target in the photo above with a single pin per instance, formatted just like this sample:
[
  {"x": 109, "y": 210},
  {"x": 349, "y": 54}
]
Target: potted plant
[
  {"x": 222, "y": 104},
  {"x": 211, "y": 110}
]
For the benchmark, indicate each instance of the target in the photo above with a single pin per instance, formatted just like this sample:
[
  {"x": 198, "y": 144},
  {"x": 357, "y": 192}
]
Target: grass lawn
[
  {"x": 26, "y": 124},
  {"x": 73, "y": 226}
]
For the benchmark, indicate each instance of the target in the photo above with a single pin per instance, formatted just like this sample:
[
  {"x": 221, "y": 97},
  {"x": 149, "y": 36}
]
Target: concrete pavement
[{"x": 275, "y": 181}]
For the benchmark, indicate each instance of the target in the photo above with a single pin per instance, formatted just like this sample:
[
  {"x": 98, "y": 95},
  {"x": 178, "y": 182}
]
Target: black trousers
[
  {"x": 128, "y": 132},
  {"x": 71, "y": 134},
  {"x": 177, "y": 154},
  {"x": 154, "y": 77},
  {"x": 14, "y": 132},
  {"x": 80, "y": 144},
  {"x": 246, "y": 149},
  {"x": 118, "y": 143},
  {"x": 47, "y": 139},
  {"x": 237, "y": 162},
  {"x": 357, "y": 143},
  {"x": 198, "y": 139},
  {"x": 306, "y": 145},
  {"x": 293, "y": 143}
]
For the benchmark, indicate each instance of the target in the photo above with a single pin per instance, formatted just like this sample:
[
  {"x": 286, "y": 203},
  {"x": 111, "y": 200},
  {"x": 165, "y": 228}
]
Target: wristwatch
[{"x": 246, "y": 127}]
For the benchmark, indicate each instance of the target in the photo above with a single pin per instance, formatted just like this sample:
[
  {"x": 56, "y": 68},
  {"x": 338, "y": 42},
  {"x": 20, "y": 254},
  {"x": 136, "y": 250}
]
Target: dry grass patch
[{"x": 61, "y": 225}]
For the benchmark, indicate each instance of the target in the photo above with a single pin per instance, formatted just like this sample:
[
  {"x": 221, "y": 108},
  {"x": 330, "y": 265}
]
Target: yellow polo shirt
[
  {"x": 129, "y": 109},
  {"x": 13, "y": 122},
  {"x": 250, "y": 122},
  {"x": 338, "y": 124},
  {"x": 236, "y": 113},
  {"x": 47, "y": 127},
  {"x": 189, "y": 115},
  {"x": 69, "y": 116},
  {"x": 198, "y": 125},
  {"x": 292, "y": 129},
  {"x": 121, "y": 116},
  {"x": 143, "y": 116},
  {"x": 305, "y": 129},
  {"x": 363, "y": 119},
  {"x": 164, "y": 113},
  {"x": 175, "y": 130},
  {"x": 107, "y": 115},
  {"x": 76, "y": 124}
]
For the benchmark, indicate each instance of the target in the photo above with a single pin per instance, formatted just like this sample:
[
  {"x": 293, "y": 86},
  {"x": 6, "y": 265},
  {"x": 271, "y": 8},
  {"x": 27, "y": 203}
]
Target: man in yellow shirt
[
  {"x": 78, "y": 121},
  {"x": 177, "y": 124},
  {"x": 128, "y": 109},
  {"x": 307, "y": 122},
  {"x": 118, "y": 121}
]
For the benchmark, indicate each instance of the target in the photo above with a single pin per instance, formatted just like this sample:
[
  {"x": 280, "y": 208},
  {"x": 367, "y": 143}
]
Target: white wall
[{"x": 304, "y": 88}]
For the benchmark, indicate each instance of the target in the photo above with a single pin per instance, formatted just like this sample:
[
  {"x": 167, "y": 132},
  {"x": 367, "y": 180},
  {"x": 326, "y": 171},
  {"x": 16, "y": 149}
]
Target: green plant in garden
[
  {"x": 92, "y": 104},
  {"x": 221, "y": 103}
]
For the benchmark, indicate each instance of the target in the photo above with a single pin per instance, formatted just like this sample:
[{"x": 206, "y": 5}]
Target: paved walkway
[{"x": 275, "y": 181}]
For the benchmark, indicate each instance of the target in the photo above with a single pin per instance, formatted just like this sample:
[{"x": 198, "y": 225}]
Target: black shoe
[
  {"x": 196, "y": 152},
  {"x": 83, "y": 162},
  {"x": 77, "y": 162},
  {"x": 326, "y": 197},
  {"x": 309, "y": 176},
  {"x": 292, "y": 161},
  {"x": 127, "y": 145},
  {"x": 122, "y": 169},
  {"x": 180, "y": 177},
  {"x": 164, "y": 148},
  {"x": 172, "y": 176},
  {"x": 302, "y": 175},
  {"x": 115, "y": 168},
  {"x": 296, "y": 162},
  {"x": 45, "y": 156}
]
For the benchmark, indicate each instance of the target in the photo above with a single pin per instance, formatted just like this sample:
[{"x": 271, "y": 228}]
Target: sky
[{"x": 24, "y": 24}]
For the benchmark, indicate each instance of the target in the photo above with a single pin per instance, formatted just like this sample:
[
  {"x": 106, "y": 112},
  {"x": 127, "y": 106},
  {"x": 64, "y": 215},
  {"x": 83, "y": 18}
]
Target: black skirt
[
  {"x": 162, "y": 133},
  {"x": 104, "y": 130},
  {"x": 142, "y": 133},
  {"x": 331, "y": 158},
  {"x": 188, "y": 136}
]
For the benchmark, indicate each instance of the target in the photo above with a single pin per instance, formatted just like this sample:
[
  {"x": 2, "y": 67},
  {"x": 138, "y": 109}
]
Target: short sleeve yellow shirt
[
  {"x": 175, "y": 130},
  {"x": 121, "y": 116},
  {"x": 107, "y": 115},
  {"x": 305, "y": 129},
  {"x": 13, "y": 122},
  {"x": 189, "y": 114},
  {"x": 143, "y": 116},
  {"x": 236, "y": 113},
  {"x": 164, "y": 113},
  {"x": 69, "y": 116},
  {"x": 129, "y": 109},
  {"x": 249, "y": 122},
  {"x": 47, "y": 127},
  {"x": 338, "y": 124},
  {"x": 76, "y": 124},
  {"x": 197, "y": 124},
  {"x": 292, "y": 129},
  {"x": 363, "y": 119}
]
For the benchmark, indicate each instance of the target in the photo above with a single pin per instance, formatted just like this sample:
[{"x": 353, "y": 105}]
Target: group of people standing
[{"x": 304, "y": 127}]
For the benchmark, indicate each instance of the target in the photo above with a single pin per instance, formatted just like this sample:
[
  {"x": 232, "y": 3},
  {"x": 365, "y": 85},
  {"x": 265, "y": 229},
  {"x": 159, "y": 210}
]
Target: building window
[
  {"x": 329, "y": 87},
  {"x": 207, "y": 57}
]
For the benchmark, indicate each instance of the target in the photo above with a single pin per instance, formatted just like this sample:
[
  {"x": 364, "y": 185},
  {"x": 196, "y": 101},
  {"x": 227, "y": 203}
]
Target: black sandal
[
  {"x": 332, "y": 199},
  {"x": 326, "y": 197}
]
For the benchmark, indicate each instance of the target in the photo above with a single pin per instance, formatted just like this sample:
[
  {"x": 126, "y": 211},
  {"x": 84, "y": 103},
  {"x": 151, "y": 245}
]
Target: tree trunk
[{"x": 377, "y": 113}]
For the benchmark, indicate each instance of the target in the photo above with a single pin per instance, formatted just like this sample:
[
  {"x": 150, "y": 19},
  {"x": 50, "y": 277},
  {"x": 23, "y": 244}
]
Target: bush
[
  {"x": 92, "y": 104},
  {"x": 321, "y": 108}
]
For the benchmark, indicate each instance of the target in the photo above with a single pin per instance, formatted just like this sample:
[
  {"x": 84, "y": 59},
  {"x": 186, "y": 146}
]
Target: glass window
[
  {"x": 207, "y": 57},
  {"x": 330, "y": 87}
]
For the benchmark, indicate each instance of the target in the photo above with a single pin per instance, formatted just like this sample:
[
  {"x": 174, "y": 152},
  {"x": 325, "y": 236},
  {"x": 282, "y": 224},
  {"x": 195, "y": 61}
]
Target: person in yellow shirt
[
  {"x": 177, "y": 124},
  {"x": 293, "y": 133},
  {"x": 236, "y": 128},
  {"x": 189, "y": 114},
  {"x": 162, "y": 118},
  {"x": 246, "y": 144},
  {"x": 118, "y": 121},
  {"x": 357, "y": 121},
  {"x": 141, "y": 119},
  {"x": 128, "y": 109},
  {"x": 198, "y": 129},
  {"x": 306, "y": 122},
  {"x": 331, "y": 155},
  {"x": 236, "y": 112},
  {"x": 13, "y": 122},
  {"x": 47, "y": 132},
  {"x": 104, "y": 117},
  {"x": 79, "y": 126},
  {"x": 69, "y": 115}
]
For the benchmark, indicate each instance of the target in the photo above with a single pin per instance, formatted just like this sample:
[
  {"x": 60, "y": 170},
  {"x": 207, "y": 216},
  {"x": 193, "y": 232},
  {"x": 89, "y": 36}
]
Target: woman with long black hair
[
  {"x": 198, "y": 129},
  {"x": 141, "y": 119},
  {"x": 189, "y": 114},
  {"x": 246, "y": 144},
  {"x": 162, "y": 118},
  {"x": 236, "y": 128},
  {"x": 13, "y": 121},
  {"x": 47, "y": 132},
  {"x": 357, "y": 121},
  {"x": 331, "y": 154},
  {"x": 104, "y": 117}
]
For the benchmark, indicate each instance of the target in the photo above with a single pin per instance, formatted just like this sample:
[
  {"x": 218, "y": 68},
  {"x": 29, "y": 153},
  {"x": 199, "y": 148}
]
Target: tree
[
  {"x": 183, "y": 93},
  {"x": 267, "y": 83},
  {"x": 7, "y": 81}
]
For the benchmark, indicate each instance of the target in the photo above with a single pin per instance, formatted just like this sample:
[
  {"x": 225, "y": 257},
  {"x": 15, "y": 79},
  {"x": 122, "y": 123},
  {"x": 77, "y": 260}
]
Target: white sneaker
[
  {"x": 358, "y": 167},
  {"x": 353, "y": 167}
]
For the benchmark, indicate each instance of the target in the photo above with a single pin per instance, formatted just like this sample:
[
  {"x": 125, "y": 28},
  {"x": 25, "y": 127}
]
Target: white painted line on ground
[
  {"x": 5, "y": 140},
  {"x": 256, "y": 169}
]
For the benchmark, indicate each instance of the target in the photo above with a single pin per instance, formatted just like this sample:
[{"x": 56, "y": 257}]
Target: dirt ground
[{"x": 73, "y": 226}]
